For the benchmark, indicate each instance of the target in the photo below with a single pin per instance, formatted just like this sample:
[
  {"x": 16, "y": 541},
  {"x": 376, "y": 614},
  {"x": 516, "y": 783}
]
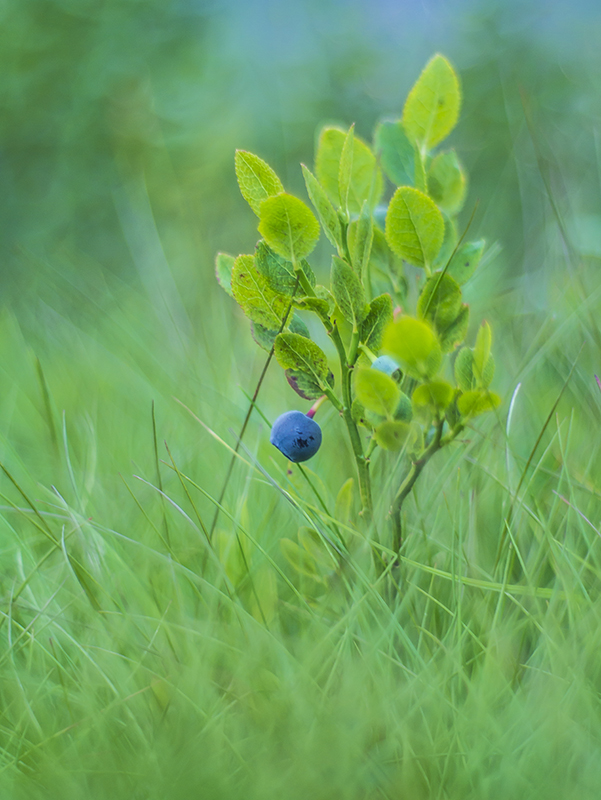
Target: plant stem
[
  {"x": 360, "y": 460},
  {"x": 410, "y": 479}
]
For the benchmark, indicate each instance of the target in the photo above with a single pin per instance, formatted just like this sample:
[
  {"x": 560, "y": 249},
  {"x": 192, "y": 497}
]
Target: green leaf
[
  {"x": 256, "y": 179},
  {"x": 361, "y": 240},
  {"x": 366, "y": 179},
  {"x": 316, "y": 304},
  {"x": 254, "y": 295},
  {"x": 432, "y": 397},
  {"x": 300, "y": 559},
  {"x": 297, "y": 353},
  {"x": 471, "y": 404},
  {"x": 305, "y": 385},
  {"x": 432, "y": 107},
  {"x": 464, "y": 371},
  {"x": 325, "y": 210},
  {"x": 345, "y": 169},
  {"x": 396, "y": 152},
  {"x": 348, "y": 292},
  {"x": 288, "y": 226},
  {"x": 392, "y": 434},
  {"x": 440, "y": 301},
  {"x": 376, "y": 391},
  {"x": 265, "y": 338},
  {"x": 456, "y": 331},
  {"x": 379, "y": 317},
  {"x": 465, "y": 261},
  {"x": 414, "y": 226},
  {"x": 414, "y": 344},
  {"x": 449, "y": 243},
  {"x": 278, "y": 272},
  {"x": 224, "y": 264},
  {"x": 446, "y": 182}
]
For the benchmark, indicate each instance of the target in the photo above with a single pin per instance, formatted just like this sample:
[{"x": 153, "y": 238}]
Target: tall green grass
[{"x": 138, "y": 661}]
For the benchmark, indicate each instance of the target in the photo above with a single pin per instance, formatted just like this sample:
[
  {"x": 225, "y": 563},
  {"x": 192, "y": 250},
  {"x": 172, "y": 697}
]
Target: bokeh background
[
  {"x": 118, "y": 125},
  {"x": 119, "y": 121}
]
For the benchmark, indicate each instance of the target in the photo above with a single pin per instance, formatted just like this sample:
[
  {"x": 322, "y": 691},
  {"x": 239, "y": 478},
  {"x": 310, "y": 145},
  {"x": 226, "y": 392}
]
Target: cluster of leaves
[{"x": 374, "y": 242}]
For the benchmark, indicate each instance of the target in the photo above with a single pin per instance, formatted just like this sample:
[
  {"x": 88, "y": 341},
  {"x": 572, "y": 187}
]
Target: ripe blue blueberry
[
  {"x": 296, "y": 435},
  {"x": 387, "y": 365}
]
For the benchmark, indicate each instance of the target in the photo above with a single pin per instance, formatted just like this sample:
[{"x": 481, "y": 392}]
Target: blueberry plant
[{"x": 393, "y": 310}]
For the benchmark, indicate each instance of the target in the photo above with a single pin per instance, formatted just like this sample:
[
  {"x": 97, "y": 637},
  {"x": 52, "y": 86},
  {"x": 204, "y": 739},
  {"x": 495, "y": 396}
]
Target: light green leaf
[
  {"x": 305, "y": 384},
  {"x": 254, "y": 295},
  {"x": 265, "y": 338},
  {"x": 297, "y": 353},
  {"x": 465, "y": 261},
  {"x": 471, "y": 404},
  {"x": 361, "y": 241},
  {"x": 448, "y": 243},
  {"x": 433, "y": 397},
  {"x": 345, "y": 169},
  {"x": 348, "y": 292},
  {"x": 392, "y": 434},
  {"x": 366, "y": 179},
  {"x": 464, "y": 371},
  {"x": 440, "y": 301},
  {"x": 454, "y": 333},
  {"x": 414, "y": 226},
  {"x": 325, "y": 210},
  {"x": 379, "y": 317},
  {"x": 224, "y": 264},
  {"x": 432, "y": 107},
  {"x": 279, "y": 273},
  {"x": 414, "y": 344},
  {"x": 396, "y": 152},
  {"x": 256, "y": 179},
  {"x": 447, "y": 182},
  {"x": 288, "y": 226},
  {"x": 376, "y": 391}
]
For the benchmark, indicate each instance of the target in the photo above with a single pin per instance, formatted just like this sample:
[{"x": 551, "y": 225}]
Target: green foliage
[
  {"x": 348, "y": 292},
  {"x": 473, "y": 403},
  {"x": 396, "y": 153},
  {"x": 306, "y": 359},
  {"x": 278, "y": 272},
  {"x": 376, "y": 322},
  {"x": 325, "y": 210},
  {"x": 418, "y": 412},
  {"x": 224, "y": 265},
  {"x": 288, "y": 226},
  {"x": 376, "y": 391},
  {"x": 360, "y": 238},
  {"x": 392, "y": 434},
  {"x": 413, "y": 343},
  {"x": 446, "y": 182},
  {"x": 432, "y": 107},
  {"x": 256, "y": 179},
  {"x": 365, "y": 179},
  {"x": 414, "y": 226},
  {"x": 465, "y": 261},
  {"x": 255, "y": 296}
]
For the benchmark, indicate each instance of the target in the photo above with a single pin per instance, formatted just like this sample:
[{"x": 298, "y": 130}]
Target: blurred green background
[{"x": 118, "y": 125}]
